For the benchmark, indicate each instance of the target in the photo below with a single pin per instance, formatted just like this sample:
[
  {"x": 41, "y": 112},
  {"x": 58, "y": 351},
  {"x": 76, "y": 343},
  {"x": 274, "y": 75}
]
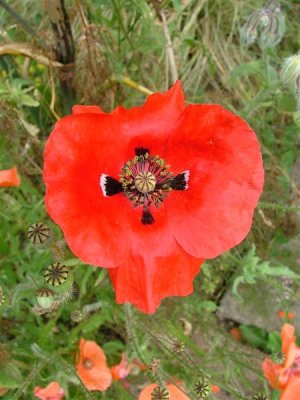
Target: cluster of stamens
[{"x": 146, "y": 180}]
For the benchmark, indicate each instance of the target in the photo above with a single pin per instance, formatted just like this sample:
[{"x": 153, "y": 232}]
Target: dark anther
[
  {"x": 147, "y": 218},
  {"x": 110, "y": 186},
  {"x": 180, "y": 181},
  {"x": 141, "y": 151}
]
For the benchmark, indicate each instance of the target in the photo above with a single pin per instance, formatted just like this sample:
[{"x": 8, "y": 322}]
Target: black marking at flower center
[
  {"x": 147, "y": 217},
  {"x": 141, "y": 151},
  {"x": 145, "y": 180}
]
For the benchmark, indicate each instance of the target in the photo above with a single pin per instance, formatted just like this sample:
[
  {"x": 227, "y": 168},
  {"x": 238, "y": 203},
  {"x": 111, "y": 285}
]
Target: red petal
[
  {"x": 79, "y": 150},
  {"x": 226, "y": 179},
  {"x": 289, "y": 347},
  {"x": 98, "y": 376},
  {"x": 156, "y": 268},
  {"x": 151, "y": 123},
  {"x": 77, "y": 109},
  {"x": 271, "y": 371},
  {"x": 292, "y": 389},
  {"x": 9, "y": 177}
]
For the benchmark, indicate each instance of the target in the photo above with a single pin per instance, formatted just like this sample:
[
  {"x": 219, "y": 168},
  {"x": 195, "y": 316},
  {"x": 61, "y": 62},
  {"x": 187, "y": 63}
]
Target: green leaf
[
  {"x": 273, "y": 343},
  {"x": 255, "y": 336},
  {"x": 207, "y": 305}
]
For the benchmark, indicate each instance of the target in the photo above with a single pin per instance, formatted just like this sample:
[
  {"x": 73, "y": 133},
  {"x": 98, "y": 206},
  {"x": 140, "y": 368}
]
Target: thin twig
[
  {"x": 88, "y": 38},
  {"x": 18, "y": 18},
  {"x": 24, "y": 49},
  {"x": 170, "y": 51}
]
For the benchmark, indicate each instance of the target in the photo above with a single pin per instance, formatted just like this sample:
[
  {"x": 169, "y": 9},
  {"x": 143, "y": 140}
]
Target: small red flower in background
[
  {"x": 92, "y": 367},
  {"x": 236, "y": 333},
  {"x": 122, "y": 370},
  {"x": 9, "y": 177},
  {"x": 284, "y": 314},
  {"x": 151, "y": 191},
  {"x": 285, "y": 376},
  {"x": 3, "y": 391},
  {"x": 52, "y": 392}
]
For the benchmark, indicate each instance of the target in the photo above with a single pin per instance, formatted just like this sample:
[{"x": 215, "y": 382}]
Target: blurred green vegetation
[{"x": 120, "y": 45}]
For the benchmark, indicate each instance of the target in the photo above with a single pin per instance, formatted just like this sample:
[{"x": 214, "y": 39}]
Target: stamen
[{"x": 145, "y": 180}]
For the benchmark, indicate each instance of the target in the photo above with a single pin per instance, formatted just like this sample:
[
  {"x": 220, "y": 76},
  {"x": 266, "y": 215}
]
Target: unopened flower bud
[
  {"x": 44, "y": 297},
  {"x": 290, "y": 72},
  {"x": 269, "y": 22}
]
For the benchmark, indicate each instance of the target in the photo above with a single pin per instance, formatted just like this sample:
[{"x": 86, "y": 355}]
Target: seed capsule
[
  {"x": 202, "y": 388},
  {"x": 178, "y": 347},
  {"x": 56, "y": 274},
  {"x": 2, "y": 297},
  {"x": 160, "y": 393},
  {"x": 44, "y": 297},
  {"x": 38, "y": 233},
  {"x": 259, "y": 396}
]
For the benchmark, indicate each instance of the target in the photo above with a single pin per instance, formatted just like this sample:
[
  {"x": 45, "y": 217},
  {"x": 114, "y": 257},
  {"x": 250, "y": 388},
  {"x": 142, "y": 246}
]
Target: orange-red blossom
[{"x": 285, "y": 376}]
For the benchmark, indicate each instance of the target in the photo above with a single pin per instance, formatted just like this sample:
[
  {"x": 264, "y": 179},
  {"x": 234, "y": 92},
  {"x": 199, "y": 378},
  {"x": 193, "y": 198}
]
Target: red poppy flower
[
  {"x": 151, "y": 191},
  {"x": 92, "y": 367},
  {"x": 9, "y": 177},
  {"x": 122, "y": 370},
  {"x": 285, "y": 376},
  {"x": 52, "y": 392}
]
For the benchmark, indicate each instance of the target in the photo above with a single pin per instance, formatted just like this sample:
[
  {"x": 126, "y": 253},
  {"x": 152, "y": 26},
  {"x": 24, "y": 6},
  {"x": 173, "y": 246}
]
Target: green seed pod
[
  {"x": 259, "y": 396},
  {"x": 160, "y": 393},
  {"x": 44, "y": 297},
  {"x": 77, "y": 316},
  {"x": 278, "y": 357},
  {"x": 3, "y": 299},
  {"x": 58, "y": 277},
  {"x": 202, "y": 388},
  {"x": 178, "y": 347},
  {"x": 38, "y": 233}
]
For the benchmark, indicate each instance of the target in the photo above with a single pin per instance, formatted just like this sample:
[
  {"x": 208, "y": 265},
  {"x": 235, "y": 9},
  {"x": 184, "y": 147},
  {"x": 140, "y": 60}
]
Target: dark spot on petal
[
  {"x": 141, "y": 151},
  {"x": 110, "y": 186},
  {"x": 147, "y": 218},
  {"x": 180, "y": 181}
]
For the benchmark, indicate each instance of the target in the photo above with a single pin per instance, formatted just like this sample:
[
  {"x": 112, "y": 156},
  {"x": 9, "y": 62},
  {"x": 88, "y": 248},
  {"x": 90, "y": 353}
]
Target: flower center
[
  {"x": 145, "y": 180},
  {"x": 88, "y": 363}
]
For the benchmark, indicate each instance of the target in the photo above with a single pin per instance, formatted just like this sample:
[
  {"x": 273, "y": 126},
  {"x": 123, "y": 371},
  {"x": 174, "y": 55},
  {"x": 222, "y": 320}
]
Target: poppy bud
[{"x": 44, "y": 297}]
